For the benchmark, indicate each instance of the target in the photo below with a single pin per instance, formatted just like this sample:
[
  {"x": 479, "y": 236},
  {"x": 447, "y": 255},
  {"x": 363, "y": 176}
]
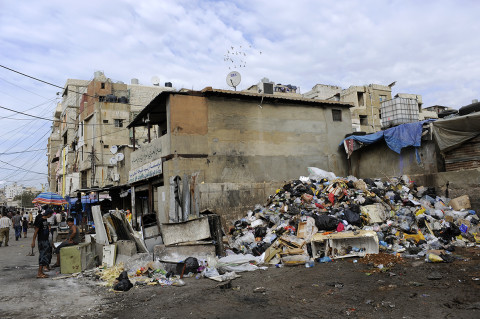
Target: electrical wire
[
  {"x": 24, "y": 151},
  {"x": 21, "y": 168},
  {"x": 57, "y": 86},
  {"x": 21, "y": 87}
]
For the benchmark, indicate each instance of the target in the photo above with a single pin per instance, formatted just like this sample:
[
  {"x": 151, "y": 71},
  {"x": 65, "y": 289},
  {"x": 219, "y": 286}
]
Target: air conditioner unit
[{"x": 268, "y": 88}]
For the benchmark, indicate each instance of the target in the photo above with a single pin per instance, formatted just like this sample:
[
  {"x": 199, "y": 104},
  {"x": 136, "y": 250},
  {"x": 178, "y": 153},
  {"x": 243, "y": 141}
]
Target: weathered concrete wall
[
  {"x": 466, "y": 182},
  {"x": 243, "y": 152},
  {"x": 377, "y": 160},
  {"x": 274, "y": 133}
]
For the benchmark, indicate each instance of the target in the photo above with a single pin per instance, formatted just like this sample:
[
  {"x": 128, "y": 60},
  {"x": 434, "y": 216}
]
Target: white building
[{"x": 13, "y": 190}]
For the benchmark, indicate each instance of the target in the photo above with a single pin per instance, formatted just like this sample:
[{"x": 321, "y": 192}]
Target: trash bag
[
  {"x": 325, "y": 222},
  {"x": 260, "y": 232},
  {"x": 123, "y": 283},
  {"x": 352, "y": 217},
  {"x": 191, "y": 265},
  {"x": 260, "y": 248}
]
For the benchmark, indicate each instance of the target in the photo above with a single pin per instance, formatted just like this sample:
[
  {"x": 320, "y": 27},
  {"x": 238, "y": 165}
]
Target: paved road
[{"x": 22, "y": 295}]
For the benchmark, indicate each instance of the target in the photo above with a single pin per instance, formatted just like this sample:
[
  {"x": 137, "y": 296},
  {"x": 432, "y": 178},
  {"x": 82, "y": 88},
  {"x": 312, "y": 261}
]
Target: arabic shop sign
[{"x": 145, "y": 171}]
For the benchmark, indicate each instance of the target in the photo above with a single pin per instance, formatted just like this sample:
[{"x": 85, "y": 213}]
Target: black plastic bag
[
  {"x": 260, "y": 231},
  {"x": 260, "y": 248},
  {"x": 352, "y": 217},
  {"x": 325, "y": 222},
  {"x": 123, "y": 283},
  {"x": 191, "y": 265}
]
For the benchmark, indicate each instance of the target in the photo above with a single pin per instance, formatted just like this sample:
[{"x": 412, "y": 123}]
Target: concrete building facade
[
  {"x": 367, "y": 101},
  {"x": 240, "y": 147},
  {"x": 89, "y": 147}
]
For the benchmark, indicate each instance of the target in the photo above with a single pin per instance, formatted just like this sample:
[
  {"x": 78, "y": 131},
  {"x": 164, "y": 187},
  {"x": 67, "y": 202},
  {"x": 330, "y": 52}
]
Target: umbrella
[{"x": 49, "y": 198}]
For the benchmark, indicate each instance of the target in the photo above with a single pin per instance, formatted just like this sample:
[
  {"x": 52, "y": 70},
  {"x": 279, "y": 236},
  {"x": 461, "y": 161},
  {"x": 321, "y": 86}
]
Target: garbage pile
[
  {"x": 323, "y": 217},
  {"x": 141, "y": 271}
]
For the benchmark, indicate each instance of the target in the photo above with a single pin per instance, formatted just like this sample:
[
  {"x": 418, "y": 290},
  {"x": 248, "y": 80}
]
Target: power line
[
  {"x": 57, "y": 86},
  {"x": 47, "y": 119},
  {"x": 20, "y": 168},
  {"x": 22, "y": 88},
  {"x": 28, "y": 76},
  {"x": 24, "y": 151}
]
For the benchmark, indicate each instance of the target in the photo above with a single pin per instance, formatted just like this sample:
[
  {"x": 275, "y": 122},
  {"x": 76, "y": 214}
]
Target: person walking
[
  {"x": 5, "y": 224},
  {"x": 30, "y": 218},
  {"x": 25, "y": 226},
  {"x": 42, "y": 231},
  {"x": 17, "y": 225}
]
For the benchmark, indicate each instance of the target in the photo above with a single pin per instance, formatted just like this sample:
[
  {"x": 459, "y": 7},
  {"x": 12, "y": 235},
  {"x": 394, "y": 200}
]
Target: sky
[{"x": 429, "y": 48}]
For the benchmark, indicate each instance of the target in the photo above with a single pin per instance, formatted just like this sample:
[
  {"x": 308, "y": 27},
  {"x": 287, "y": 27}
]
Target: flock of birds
[{"x": 236, "y": 57}]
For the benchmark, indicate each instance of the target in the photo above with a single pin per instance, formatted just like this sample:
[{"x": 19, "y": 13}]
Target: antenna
[
  {"x": 114, "y": 149},
  {"x": 233, "y": 79},
  {"x": 155, "y": 80}
]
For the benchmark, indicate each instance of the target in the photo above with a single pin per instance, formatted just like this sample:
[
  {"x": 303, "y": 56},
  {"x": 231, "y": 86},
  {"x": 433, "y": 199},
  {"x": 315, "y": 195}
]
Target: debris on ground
[{"x": 323, "y": 216}]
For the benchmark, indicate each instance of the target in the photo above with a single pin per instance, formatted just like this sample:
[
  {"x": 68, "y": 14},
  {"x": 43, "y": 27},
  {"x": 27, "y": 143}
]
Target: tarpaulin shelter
[
  {"x": 450, "y": 133},
  {"x": 397, "y": 137}
]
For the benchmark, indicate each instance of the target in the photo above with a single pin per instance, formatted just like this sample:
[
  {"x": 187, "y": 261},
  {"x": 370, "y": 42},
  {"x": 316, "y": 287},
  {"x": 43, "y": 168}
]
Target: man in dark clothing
[
  {"x": 17, "y": 225},
  {"x": 44, "y": 247}
]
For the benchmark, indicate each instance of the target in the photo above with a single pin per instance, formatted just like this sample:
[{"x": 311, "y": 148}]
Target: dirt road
[{"x": 411, "y": 289}]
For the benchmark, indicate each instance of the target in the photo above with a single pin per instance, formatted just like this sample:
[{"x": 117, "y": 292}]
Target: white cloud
[{"x": 428, "y": 47}]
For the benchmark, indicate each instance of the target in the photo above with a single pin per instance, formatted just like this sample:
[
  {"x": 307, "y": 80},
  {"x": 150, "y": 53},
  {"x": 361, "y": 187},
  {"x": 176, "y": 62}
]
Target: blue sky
[{"x": 428, "y": 47}]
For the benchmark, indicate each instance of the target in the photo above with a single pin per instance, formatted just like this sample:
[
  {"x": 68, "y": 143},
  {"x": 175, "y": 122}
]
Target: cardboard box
[{"x": 459, "y": 203}]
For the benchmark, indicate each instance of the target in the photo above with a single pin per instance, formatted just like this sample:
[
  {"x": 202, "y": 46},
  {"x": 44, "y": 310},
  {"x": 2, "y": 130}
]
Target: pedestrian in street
[
  {"x": 5, "y": 224},
  {"x": 30, "y": 218},
  {"x": 73, "y": 238},
  {"x": 42, "y": 232},
  {"x": 17, "y": 225},
  {"x": 25, "y": 227}
]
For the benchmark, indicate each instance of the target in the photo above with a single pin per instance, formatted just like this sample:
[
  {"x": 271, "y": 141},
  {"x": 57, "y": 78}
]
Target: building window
[
  {"x": 118, "y": 123},
  {"x": 105, "y": 121},
  {"x": 361, "y": 101},
  {"x": 106, "y": 146},
  {"x": 337, "y": 115},
  {"x": 102, "y": 85},
  {"x": 101, "y": 98},
  {"x": 363, "y": 120},
  {"x": 383, "y": 98}
]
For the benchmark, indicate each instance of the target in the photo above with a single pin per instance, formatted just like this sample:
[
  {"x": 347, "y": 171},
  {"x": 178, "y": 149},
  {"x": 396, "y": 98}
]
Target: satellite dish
[
  {"x": 155, "y": 80},
  {"x": 233, "y": 79},
  {"x": 113, "y": 161},
  {"x": 119, "y": 157},
  {"x": 114, "y": 149}
]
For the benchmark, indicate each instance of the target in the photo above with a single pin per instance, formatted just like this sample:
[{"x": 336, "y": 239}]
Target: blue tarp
[{"x": 397, "y": 137}]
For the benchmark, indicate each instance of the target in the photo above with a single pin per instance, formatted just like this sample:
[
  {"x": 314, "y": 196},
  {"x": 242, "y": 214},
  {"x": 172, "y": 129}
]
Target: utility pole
[{"x": 92, "y": 159}]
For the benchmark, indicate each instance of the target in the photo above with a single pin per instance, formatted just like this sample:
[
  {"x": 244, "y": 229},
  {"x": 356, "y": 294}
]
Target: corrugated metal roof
[{"x": 465, "y": 156}]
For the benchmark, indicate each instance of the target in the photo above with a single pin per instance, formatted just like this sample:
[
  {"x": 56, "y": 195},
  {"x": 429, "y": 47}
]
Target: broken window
[
  {"x": 337, "y": 115},
  {"x": 361, "y": 101},
  {"x": 102, "y": 85},
  {"x": 363, "y": 120},
  {"x": 118, "y": 122}
]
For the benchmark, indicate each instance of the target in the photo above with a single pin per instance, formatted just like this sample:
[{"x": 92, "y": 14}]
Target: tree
[{"x": 26, "y": 198}]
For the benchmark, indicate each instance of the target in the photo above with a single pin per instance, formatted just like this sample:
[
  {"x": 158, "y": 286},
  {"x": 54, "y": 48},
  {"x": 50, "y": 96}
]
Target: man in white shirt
[{"x": 5, "y": 224}]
